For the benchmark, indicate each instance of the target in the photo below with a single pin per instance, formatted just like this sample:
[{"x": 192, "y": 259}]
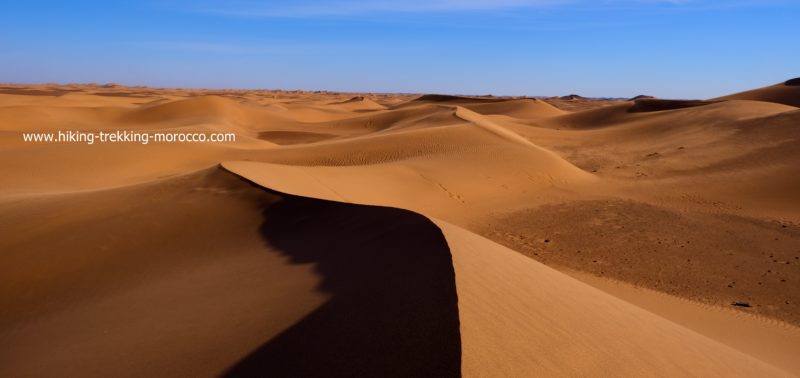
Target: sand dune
[
  {"x": 524, "y": 108},
  {"x": 399, "y": 235},
  {"x": 413, "y": 169},
  {"x": 655, "y": 105},
  {"x": 560, "y": 313},
  {"x": 519, "y": 318},
  {"x": 787, "y": 93},
  {"x": 438, "y": 98},
  {"x": 206, "y": 109},
  {"x": 663, "y": 111},
  {"x": 152, "y": 299},
  {"x": 514, "y": 107},
  {"x": 359, "y": 103},
  {"x": 405, "y": 118}
]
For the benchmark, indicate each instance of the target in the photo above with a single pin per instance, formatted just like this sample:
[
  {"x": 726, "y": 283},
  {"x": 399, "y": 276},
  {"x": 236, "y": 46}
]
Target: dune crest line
[{"x": 519, "y": 316}]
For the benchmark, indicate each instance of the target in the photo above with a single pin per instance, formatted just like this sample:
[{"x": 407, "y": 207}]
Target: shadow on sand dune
[
  {"x": 393, "y": 310},
  {"x": 656, "y": 105}
]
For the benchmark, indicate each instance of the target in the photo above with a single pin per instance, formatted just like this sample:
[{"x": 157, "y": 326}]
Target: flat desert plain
[{"x": 343, "y": 234}]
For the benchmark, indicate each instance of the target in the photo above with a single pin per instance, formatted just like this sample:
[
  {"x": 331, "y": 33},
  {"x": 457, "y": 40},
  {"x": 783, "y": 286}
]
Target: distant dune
[
  {"x": 451, "y": 98},
  {"x": 359, "y": 103},
  {"x": 347, "y": 234},
  {"x": 787, "y": 93},
  {"x": 655, "y": 105}
]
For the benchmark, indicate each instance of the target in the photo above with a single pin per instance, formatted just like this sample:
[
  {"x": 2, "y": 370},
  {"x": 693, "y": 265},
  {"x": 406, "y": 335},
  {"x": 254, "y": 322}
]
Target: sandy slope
[
  {"x": 144, "y": 280},
  {"x": 129, "y": 259},
  {"x": 519, "y": 317},
  {"x": 787, "y": 93},
  {"x": 206, "y": 260}
]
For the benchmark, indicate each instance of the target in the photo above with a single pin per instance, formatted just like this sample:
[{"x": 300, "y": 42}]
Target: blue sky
[{"x": 617, "y": 48}]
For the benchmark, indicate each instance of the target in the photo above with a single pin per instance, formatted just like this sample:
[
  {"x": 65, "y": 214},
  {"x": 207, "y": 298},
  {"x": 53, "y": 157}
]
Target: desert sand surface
[{"x": 364, "y": 234}]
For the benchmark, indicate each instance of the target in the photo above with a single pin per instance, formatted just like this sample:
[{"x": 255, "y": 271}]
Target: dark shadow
[
  {"x": 349, "y": 101},
  {"x": 449, "y": 98},
  {"x": 642, "y": 97},
  {"x": 656, "y": 105},
  {"x": 572, "y": 97},
  {"x": 793, "y": 82},
  {"x": 394, "y": 307}
]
